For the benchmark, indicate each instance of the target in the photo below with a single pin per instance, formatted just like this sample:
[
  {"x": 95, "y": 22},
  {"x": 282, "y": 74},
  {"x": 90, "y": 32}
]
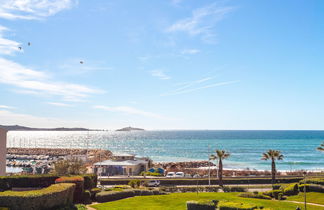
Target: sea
[{"x": 245, "y": 147}]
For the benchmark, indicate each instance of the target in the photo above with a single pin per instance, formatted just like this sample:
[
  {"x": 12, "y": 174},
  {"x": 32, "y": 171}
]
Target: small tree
[
  {"x": 220, "y": 156},
  {"x": 73, "y": 166},
  {"x": 272, "y": 155}
]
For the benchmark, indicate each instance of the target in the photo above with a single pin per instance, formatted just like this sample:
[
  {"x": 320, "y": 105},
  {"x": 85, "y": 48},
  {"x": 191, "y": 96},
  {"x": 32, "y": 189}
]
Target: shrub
[
  {"x": 147, "y": 173},
  {"x": 54, "y": 196},
  {"x": 291, "y": 189},
  {"x": 90, "y": 181},
  {"x": 276, "y": 186},
  {"x": 79, "y": 186},
  {"x": 94, "y": 191},
  {"x": 22, "y": 181},
  {"x": 273, "y": 193},
  {"x": 319, "y": 181},
  {"x": 234, "y": 189},
  {"x": 254, "y": 195},
  {"x": 202, "y": 205},
  {"x": 106, "y": 196},
  {"x": 235, "y": 206},
  {"x": 311, "y": 188},
  {"x": 87, "y": 197},
  {"x": 301, "y": 187},
  {"x": 135, "y": 183}
]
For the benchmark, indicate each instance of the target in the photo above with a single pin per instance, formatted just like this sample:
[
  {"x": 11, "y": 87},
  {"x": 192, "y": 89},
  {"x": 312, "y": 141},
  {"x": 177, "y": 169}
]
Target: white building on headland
[
  {"x": 3, "y": 151},
  {"x": 121, "y": 164}
]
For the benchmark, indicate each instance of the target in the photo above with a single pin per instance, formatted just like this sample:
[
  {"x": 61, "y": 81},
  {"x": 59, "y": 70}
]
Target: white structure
[
  {"x": 121, "y": 164},
  {"x": 3, "y": 151}
]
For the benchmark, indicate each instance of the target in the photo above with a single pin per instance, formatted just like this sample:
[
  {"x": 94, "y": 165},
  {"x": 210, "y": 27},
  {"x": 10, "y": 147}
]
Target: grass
[
  {"x": 178, "y": 201},
  {"x": 311, "y": 197}
]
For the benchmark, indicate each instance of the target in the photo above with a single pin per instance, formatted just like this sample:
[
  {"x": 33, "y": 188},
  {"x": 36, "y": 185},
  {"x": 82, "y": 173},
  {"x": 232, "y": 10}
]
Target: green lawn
[
  {"x": 178, "y": 201},
  {"x": 311, "y": 197}
]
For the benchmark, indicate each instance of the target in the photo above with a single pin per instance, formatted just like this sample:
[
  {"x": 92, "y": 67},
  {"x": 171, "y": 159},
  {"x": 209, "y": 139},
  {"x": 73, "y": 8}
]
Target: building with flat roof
[
  {"x": 3, "y": 151},
  {"x": 121, "y": 164}
]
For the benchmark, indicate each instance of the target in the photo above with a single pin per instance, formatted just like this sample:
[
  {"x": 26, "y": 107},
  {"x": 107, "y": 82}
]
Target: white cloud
[
  {"x": 37, "y": 82},
  {"x": 196, "y": 85},
  {"x": 59, "y": 104},
  {"x": 6, "y": 107},
  {"x": 11, "y": 118},
  {"x": 202, "y": 21},
  {"x": 160, "y": 74},
  {"x": 7, "y": 47},
  {"x": 32, "y": 9},
  {"x": 190, "y": 51},
  {"x": 130, "y": 110}
]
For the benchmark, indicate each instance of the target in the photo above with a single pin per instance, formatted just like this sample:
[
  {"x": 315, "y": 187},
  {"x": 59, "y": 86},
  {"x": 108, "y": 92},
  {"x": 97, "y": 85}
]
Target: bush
[
  {"x": 276, "y": 186},
  {"x": 90, "y": 181},
  {"x": 93, "y": 192},
  {"x": 234, "y": 189},
  {"x": 254, "y": 195},
  {"x": 319, "y": 181},
  {"x": 273, "y": 194},
  {"x": 56, "y": 195},
  {"x": 201, "y": 205},
  {"x": 135, "y": 183},
  {"x": 311, "y": 188},
  {"x": 87, "y": 197},
  {"x": 22, "y": 181},
  {"x": 185, "y": 189},
  {"x": 106, "y": 196},
  {"x": 235, "y": 206},
  {"x": 147, "y": 173},
  {"x": 79, "y": 186},
  {"x": 291, "y": 189}
]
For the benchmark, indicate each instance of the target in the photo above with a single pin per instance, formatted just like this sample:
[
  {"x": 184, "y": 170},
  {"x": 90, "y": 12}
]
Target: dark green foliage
[
  {"x": 291, "y": 189},
  {"x": 234, "y": 189},
  {"x": 254, "y": 195},
  {"x": 273, "y": 194},
  {"x": 202, "y": 205},
  {"x": 311, "y": 188},
  {"x": 87, "y": 197},
  {"x": 319, "y": 181},
  {"x": 235, "y": 206},
  {"x": 28, "y": 180},
  {"x": 90, "y": 181},
  {"x": 147, "y": 173},
  {"x": 135, "y": 183},
  {"x": 48, "y": 198},
  {"x": 276, "y": 186},
  {"x": 79, "y": 186},
  {"x": 106, "y": 196},
  {"x": 94, "y": 191}
]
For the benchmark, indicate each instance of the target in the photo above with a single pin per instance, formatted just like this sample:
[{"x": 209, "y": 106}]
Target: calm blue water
[{"x": 246, "y": 147}]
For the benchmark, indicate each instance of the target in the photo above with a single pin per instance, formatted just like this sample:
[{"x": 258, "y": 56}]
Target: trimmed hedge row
[
  {"x": 79, "y": 186},
  {"x": 106, "y": 196},
  {"x": 56, "y": 195},
  {"x": 179, "y": 181},
  {"x": 319, "y": 181},
  {"x": 311, "y": 188},
  {"x": 185, "y": 189},
  {"x": 254, "y": 195},
  {"x": 291, "y": 189},
  {"x": 40, "y": 181},
  {"x": 234, "y": 189},
  {"x": 202, "y": 205}
]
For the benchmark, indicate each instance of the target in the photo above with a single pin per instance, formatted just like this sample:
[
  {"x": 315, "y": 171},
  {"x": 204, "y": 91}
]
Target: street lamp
[{"x": 305, "y": 173}]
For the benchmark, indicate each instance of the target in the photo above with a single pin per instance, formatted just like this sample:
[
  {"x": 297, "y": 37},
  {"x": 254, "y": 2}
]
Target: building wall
[{"x": 3, "y": 151}]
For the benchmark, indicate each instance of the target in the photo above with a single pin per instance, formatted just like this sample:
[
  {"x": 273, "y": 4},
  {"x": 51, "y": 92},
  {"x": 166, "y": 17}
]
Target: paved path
[{"x": 299, "y": 202}]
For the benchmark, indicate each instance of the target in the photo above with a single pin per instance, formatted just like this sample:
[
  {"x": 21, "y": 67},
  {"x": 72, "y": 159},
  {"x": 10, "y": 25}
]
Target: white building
[
  {"x": 3, "y": 151},
  {"x": 121, "y": 164}
]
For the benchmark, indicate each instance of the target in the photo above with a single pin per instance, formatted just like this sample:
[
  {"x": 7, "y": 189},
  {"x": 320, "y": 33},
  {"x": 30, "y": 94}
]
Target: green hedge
[
  {"x": 236, "y": 206},
  {"x": 106, "y": 196},
  {"x": 254, "y": 195},
  {"x": 319, "y": 181},
  {"x": 291, "y": 189},
  {"x": 276, "y": 194},
  {"x": 185, "y": 189},
  {"x": 90, "y": 181},
  {"x": 311, "y": 188},
  {"x": 56, "y": 195},
  {"x": 79, "y": 186},
  {"x": 234, "y": 189},
  {"x": 276, "y": 186},
  {"x": 202, "y": 205}
]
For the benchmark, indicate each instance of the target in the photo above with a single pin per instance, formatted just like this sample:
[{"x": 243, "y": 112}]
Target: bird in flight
[
  {"x": 29, "y": 43},
  {"x": 81, "y": 62},
  {"x": 19, "y": 48}
]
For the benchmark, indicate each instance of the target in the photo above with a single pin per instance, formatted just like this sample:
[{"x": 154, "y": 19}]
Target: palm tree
[
  {"x": 220, "y": 156},
  {"x": 321, "y": 148},
  {"x": 272, "y": 155}
]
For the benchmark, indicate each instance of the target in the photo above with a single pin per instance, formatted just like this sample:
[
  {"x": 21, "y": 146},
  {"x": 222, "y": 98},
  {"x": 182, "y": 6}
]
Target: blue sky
[{"x": 163, "y": 64}]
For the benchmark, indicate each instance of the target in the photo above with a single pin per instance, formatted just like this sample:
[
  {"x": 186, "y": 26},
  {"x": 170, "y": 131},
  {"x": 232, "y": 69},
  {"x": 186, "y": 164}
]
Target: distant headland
[
  {"x": 24, "y": 128},
  {"x": 130, "y": 129}
]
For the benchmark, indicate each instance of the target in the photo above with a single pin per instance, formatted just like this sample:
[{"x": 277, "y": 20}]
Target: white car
[
  {"x": 153, "y": 183},
  {"x": 170, "y": 175},
  {"x": 179, "y": 174}
]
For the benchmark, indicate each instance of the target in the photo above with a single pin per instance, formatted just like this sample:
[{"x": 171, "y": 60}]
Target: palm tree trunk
[
  {"x": 273, "y": 172},
  {"x": 220, "y": 172}
]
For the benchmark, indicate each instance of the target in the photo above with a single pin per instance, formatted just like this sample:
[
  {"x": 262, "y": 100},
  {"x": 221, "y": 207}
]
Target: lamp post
[
  {"x": 305, "y": 173},
  {"x": 209, "y": 165}
]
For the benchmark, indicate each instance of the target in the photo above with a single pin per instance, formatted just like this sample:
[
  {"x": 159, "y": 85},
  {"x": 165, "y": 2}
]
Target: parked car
[
  {"x": 170, "y": 175},
  {"x": 179, "y": 174},
  {"x": 153, "y": 183},
  {"x": 196, "y": 176}
]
